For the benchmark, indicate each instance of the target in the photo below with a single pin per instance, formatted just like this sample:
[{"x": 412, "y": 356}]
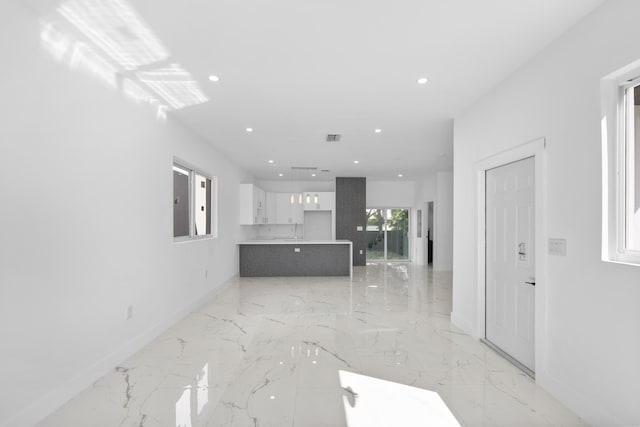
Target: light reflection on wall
[
  {"x": 83, "y": 58},
  {"x": 115, "y": 27},
  {"x": 77, "y": 55},
  {"x": 135, "y": 93},
  {"x": 54, "y": 40},
  {"x": 174, "y": 84},
  {"x": 117, "y": 44}
]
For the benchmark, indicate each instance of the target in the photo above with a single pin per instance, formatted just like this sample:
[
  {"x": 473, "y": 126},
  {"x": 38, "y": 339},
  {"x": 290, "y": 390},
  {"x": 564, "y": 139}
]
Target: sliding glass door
[{"x": 387, "y": 234}]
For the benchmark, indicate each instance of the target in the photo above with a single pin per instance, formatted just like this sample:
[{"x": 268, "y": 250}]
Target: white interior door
[{"x": 510, "y": 282}]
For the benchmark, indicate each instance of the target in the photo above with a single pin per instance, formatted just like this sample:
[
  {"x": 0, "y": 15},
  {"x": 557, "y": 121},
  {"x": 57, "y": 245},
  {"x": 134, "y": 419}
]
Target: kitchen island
[{"x": 290, "y": 257}]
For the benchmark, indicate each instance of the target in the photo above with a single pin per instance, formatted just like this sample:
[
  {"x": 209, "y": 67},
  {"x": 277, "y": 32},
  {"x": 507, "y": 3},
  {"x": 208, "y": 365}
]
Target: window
[
  {"x": 387, "y": 234},
  {"x": 194, "y": 204},
  {"x": 631, "y": 116},
  {"x": 621, "y": 165}
]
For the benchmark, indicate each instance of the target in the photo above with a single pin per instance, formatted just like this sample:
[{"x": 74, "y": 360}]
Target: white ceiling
[{"x": 296, "y": 70}]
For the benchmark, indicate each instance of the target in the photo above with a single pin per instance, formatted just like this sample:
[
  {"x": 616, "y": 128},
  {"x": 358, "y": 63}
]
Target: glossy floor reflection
[{"x": 269, "y": 352}]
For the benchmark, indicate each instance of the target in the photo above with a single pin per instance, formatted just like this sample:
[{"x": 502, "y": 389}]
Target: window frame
[
  {"x": 213, "y": 213},
  {"x": 615, "y": 168},
  {"x": 628, "y": 154}
]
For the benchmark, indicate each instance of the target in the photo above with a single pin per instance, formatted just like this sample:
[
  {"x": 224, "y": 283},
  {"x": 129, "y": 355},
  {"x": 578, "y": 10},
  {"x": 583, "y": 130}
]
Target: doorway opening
[
  {"x": 387, "y": 234},
  {"x": 429, "y": 234}
]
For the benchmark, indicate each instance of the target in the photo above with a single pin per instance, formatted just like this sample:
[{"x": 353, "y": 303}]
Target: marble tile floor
[{"x": 374, "y": 350}]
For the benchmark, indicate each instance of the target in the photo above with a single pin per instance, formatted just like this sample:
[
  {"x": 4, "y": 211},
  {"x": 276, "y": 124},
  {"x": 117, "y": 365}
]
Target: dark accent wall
[{"x": 351, "y": 205}]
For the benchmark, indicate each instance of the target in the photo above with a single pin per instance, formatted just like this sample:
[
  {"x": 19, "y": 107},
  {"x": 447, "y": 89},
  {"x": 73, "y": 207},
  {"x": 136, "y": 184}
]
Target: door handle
[
  {"x": 522, "y": 249},
  {"x": 531, "y": 283}
]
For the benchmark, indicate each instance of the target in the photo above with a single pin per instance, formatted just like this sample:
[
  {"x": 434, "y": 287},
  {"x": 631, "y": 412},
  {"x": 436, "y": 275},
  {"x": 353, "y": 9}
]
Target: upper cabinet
[
  {"x": 252, "y": 205},
  {"x": 319, "y": 201},
  {"x": 271, "y": 208},
  {"x": 289, "y": 208},
  {"x": 260, "y": 207}
]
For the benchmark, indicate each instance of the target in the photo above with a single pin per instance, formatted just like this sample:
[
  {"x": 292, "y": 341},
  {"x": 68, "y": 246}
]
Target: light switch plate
[
  {"x": 296, "y": 249},
  {"x": 558, "y": 247},
  {"x": 359, "y": 228}
]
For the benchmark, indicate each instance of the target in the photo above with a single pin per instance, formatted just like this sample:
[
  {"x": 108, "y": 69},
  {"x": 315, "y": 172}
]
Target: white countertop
[{"x": 295, "y": 242}]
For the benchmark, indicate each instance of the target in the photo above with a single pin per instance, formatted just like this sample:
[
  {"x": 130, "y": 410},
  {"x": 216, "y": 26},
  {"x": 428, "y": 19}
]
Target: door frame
[{"x": 536, "y": 149}]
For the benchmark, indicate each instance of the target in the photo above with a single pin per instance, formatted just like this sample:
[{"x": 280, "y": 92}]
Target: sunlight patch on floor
[{"x": 370, "y": 401}]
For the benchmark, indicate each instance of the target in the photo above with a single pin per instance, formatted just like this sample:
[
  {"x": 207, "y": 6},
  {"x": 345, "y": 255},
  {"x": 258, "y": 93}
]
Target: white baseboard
[
  {"x": 464, "y": 324},
  {"x": 57, "y": 397},
  {"x": 588, "y": 408}
]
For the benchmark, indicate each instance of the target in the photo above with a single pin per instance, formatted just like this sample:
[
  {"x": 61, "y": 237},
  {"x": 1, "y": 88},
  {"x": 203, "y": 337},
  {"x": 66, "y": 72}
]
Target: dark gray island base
[{"x": 302, "y": 258}]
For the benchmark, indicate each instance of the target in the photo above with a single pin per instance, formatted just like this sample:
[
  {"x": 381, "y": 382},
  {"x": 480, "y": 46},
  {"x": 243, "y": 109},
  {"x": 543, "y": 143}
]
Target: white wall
[
  {"x": 592, "y": 341},
  {"x": 395, "y": 194},
  {"x": 437, "y": 188},
  {"x": 443, "y": 222},
  {"x": 390, "y": 194},
  {"x": 425, "y": 191},
  {"x": 86, "y": 225}
]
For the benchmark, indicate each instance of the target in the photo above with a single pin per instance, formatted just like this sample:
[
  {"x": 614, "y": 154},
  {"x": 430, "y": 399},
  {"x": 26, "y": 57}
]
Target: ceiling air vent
[
  {"x": 325, "y": 170},
  {"x": 304, "y": 168},
  {"x": 333, "y": 137}
]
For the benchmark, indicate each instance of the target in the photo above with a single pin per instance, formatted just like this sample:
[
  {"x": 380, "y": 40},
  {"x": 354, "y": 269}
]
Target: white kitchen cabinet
[
  {"x": 282, "y": 208},
  {"x": 319, "y": 201},
  {"x": 271, "y": 208},
  {"x": 289, "y": 208},
  {"x": 259, "y": 204},
  {"x": 251, "y": 205},
  {"x": 298, "y": 209}
]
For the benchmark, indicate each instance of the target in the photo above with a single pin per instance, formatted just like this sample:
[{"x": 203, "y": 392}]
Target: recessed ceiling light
[
  {"x": 271, "y": 161},
  {"x": 313, "y": 174},
  {"x": 400, "y": 175},
  {"x": 378, "y": 130},
  {"x": 422, "y": 80},
  {"x": 280, "y": 174},
  {"x": 356, "y": 161},
  {"x": 249, "y": 129},
  {"x": 214, "y": 78}
]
